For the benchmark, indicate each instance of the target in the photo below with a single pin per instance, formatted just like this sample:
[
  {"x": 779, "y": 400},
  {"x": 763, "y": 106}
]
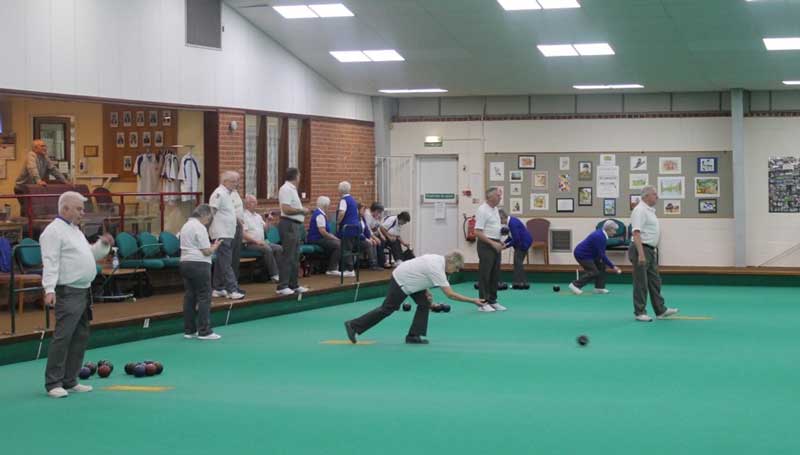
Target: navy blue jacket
[
  {"x": 350, "y": 219},
  {"x": 313, "y": 230},
  {"x": 518, "y": 235},
  {"x": 592, "y": 248}
]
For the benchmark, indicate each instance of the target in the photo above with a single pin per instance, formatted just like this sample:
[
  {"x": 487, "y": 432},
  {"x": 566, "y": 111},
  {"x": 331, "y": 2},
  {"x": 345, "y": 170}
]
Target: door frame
[
  {"x": 418, "y": 157},
  {"x": 63, "y": 120}
]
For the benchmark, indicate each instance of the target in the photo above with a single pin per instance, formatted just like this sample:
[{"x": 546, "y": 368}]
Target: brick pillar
[
  {"x": 342, "y": 150},
  {"x": 231, "y": 144}
]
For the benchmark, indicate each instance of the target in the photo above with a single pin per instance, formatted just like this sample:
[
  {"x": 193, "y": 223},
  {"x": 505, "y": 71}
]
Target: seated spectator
[
  {"x": 390, "y": 228},
  {"x": 369, "y": 242},
  {"x": 254, "y": 238},
  {"x": 195, "y": 268},
  {"x": 318, "y": 235},
  {"x": 374, "y": 216}
]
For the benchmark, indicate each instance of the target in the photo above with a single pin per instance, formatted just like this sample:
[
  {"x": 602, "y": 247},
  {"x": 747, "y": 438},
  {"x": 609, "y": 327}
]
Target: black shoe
[
  {"x": 415, "y": 339},
  {"x": 351, "y": 332}
]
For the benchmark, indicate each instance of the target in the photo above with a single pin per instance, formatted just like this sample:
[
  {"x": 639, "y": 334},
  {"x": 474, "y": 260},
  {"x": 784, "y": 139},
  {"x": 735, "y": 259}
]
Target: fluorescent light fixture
[
  {"x": 433, "y": 141},
  {"x": 594, "y": 49},
  {"x": 350, "y": 56},
  {"x": 295, "y": 11},
  {"x": 607, "y": 86},
  {"x": 518, "y": 5},
  {"x": 414, "y": 90},
  {"x": 557, "y": 50},
  {"x": 782, "y": 44},
  {"x": 791, "y": 82},
  {"x": 384, "y": 55},
  {"x": 559, "y": 4},
  {"x": 331, "y": 10}
]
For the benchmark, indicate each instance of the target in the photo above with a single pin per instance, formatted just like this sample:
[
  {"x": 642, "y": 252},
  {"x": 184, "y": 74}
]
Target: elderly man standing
[
  {"x": 290, "y": 229},
  {"x": 69, "y": 267},
  {"x": 348, "y": 224},
  {"x": 487, "y": 229},
  {"x": 643, "y": 254},
  {"x": 223, "y": 228},
  {"x": 238, "y": 238},
  {"x": 255, "y": 239},
  {"x": 591, "y": 255}
]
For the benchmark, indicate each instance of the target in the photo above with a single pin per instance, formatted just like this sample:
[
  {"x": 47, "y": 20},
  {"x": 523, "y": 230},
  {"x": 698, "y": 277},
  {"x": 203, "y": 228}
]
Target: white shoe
[
  {"x": 575, "y": 289},
  {"x": 58, "y": 392},
  {"x": 644, "y": 318},
  {"x": 301, "y": 289},
  {"x": 80, "y": 388},
  {"x": 285, "y": 291},
  {"x": 398, "y": 262},
  {"x": 210, "y": 336},
  {"x": 275, "y": 278},
  {"x": 332, "y": 273},
  {"x": 498, "y": 307},
  {"x": 235, "y": 295},
  {"x": 349, "y": 274},
  {"x": 487, "y": 308},
  {"x": 216, "y": 293},
  {"x": 189, "y": 336},
  {"x": 601, "y": 291},
  {"x": 668, "y": 313}
]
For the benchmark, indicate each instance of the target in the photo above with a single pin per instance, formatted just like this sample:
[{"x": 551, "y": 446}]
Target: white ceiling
[{"x": 474, "y": 47}]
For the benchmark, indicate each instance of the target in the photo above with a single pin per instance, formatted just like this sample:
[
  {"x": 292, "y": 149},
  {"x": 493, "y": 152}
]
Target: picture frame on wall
[
  {"x": 127, "y": 163},
  {"x": 540, "y": 179},
  {"x": 152, "y": 118},
  {"x": 585, "y": 196},
  {"x": 515, "y": 205},
  {"x": 671, "y": 187},
  {"x": 127, "y": 118},
  {"x": 638, "y": 163},
  {"x": 706, "y": 187},
  {"x": 564, "y": 185},
  {"x": 638, "y": 181},
  {"x": 707, "y": 165},
  {"x": 120, "y": 140},
  {"x": 608, "y": 159},
  {"x": 515, "y": 189},
  {"x": 133, "y": 139},
  {"x": 540, "y": 201},
  {"x": 139, "y": 118},
  {"x": 166, "y": 118},
  {"x": 147, "y": 139},
  {"x": 563, "y": 163},
  {"x": 707, "y": 205},
  {"x": 526, "y": 162},
  {"x": 497, "y": 171},
  {"x": 672, "y": 207},
  {"x": 113, "y": 119},
  {"x": 609, "y": 207},
  {"x": 634, "y": 200},
  {"x": 565, "y": 205},
  {"x": 585, "y": 170},
  {"x": 669, "y": 165},
  {"x": 158, "y": 138},
  {"x": 91, "y": 151},
  {"x": 515, "y": 176}
]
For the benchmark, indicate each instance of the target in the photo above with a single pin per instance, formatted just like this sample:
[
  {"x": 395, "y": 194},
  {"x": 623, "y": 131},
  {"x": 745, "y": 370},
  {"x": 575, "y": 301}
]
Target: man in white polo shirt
[
  {"x": 487, "y": 229},
  {"x": 413, "y": 278},
  {"x": 290, "y": 228},
  {"x": 643, "y": 254},
  {"x": 255, "y": 239},
  {"x": 223, "y": 228}
]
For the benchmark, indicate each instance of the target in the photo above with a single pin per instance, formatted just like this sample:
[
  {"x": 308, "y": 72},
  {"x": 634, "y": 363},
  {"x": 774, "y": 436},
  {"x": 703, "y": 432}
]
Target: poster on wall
[
  {"x": 113, "y": 121},
  {"x": 669, "y": 165},
  {"x": 127, "y": 118},
  {"x": 563, "y": 163},
  {"x": 146, "y": 139},
  {"x": 672, "y": 207},
  {"x": 515, "y": 189},
  {"x": 120, "y": 140},
  {"x": 153, "y": 118},
  {"x": 158, "y": 138},
  {"x": 706, "y": 187},
  {"x": 638, "y": 163},
  {"x": 585, "y": 170},
  {"x": 784, "y": 185},
  {"x": 540, "y": 179},
  {"x": 515, "y": 205},
  {"x": 515, "y": 176},
  {"x": 671, "y": 187},
  {"x": 638, "y": 181},
  {"x": 540, "y": 201},
  {"x": 609, "y": 207},
  {"x": 607, "y": 159},
  {"x": 497, "y": 171},
  {"x": 526, "y": 162},
  {"x": 564, "y": 185},
  {"x": 585, "y": 196},
  {"x": 608, "y": 182},
  {"x": 139, "y": 118}
]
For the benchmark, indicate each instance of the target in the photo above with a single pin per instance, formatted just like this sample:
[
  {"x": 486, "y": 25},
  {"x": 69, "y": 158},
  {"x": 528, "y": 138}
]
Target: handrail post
[
  {"x": 122, "y": 213},
  {"x": 161, "y": 208},
  {"x": 29, "y": 210}
]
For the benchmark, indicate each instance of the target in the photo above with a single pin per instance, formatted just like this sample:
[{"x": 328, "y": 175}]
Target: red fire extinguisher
[{"x": 469, "y": 228}]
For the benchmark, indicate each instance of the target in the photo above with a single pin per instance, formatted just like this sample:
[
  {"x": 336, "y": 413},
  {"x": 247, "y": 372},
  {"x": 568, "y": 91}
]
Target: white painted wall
[
  {"x": 135, "y": 50},
  {"x": 684, "y": 241}
]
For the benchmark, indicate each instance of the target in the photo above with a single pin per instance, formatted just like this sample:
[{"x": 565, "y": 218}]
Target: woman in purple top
[{"x": 591, "y": 255}]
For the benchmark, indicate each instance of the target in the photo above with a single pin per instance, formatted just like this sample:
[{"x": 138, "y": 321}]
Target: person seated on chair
[
  {"x": 254, "y": 238},
  {"x": 348, "y": 226},
  {"x": 318, "y": 235},
  {"x": 374, "y": 216},
  {"x": 591, "y": 255},
  {"x": 520, "y": 239},
  {"x": 390, "y": 228},
  {"x": 369, "y": 242}
]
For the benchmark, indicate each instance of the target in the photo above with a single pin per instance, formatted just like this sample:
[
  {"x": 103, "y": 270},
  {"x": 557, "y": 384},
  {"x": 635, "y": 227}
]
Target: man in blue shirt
[
  {"x": 591, "y": 255},
  {"x": 520, "y": 239}
]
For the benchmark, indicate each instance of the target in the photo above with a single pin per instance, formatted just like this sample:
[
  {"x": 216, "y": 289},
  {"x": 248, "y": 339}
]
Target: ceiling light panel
[
  {"x": 594, "y": 49},
  {"x": 782, "y": 44},
  {"x": 350, "y": 56},
  {"x": 384, "y": 55},
  {"x": 331, "y": 10},
  {"x": 414, "y": 90},
  {"x": 557, "y": 50},
  {"x": 791, "y": 82},
  {"x": 295, "y": 11},
  {"x": 559, "y": 4},
  {"x": 607, "y": 87},
  {"x": 519, "y": 5}
]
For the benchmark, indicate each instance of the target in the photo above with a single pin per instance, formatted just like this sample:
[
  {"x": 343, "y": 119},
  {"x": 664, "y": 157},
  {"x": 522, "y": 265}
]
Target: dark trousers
[
  {"x": 394, "y": 298},
  {"x": 488, "y": 271},
  {"x": 333, "y": 249},
  {"x": 268, "y": 260},
  {"x": 519, "y": 266},
  {"x": 372, "y": 252},
  {"x": 70, "y": 338},
  {"x": 236, "y": 254},
  {"x": 290, "y": 232},
  {"x": 348, "y": 252},
  {"x": 646, "y": 279},
  {"x": 197, "y": 299},
  {"x": 380, "y": 253},
  {"x": 397, "y": 250},
  {"x": 223, "y": 276},
  {"x": 592, "y": 271}
]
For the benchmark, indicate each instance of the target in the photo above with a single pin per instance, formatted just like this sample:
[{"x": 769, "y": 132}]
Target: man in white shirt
[
  {"x": 223, "y": 228},
  {"x": 236, "y": 254},
  {"x": 254, "y": 238},
  {"x": 390, "y": 228},
  {"x": 290, "y": 229},
  {"x": 69, "y": 267},
  {"x": 643, "y": 254},
  {"x": 412, "y": 279},
  {"x": 487, "y": 229},
  {"x": 373, "y": 217}
]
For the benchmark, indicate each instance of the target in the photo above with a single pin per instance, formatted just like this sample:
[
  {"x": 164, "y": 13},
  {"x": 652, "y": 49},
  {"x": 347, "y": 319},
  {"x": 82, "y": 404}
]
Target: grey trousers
[
  {"x": 348, "y": 250},
  {"x": 519, "y": 266},
  {"x": 70, "y": 338},
  {"x": 269, "y": 253},
  {"x": 646, "y": 279},
  {"x": 333, "y": 248},
  {"x": 236, "y": 254},
  {"x": 197, "y": 299},
  {"x": 372, "y": 252},
  {"x": 224, "y": 278},
  {"x": 394, "y": 298},
  {"x": 592, "y": 271},
  {"x": 290, "y": 232},
  {"x": 488, "y": 271}
]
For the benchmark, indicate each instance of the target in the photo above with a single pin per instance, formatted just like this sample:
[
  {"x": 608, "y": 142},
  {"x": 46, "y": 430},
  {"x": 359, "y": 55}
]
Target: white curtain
[
  {"x": 273, "y": 144},
  {"x": 294, "y": 142},
  {"x": 250, "y": 151}
]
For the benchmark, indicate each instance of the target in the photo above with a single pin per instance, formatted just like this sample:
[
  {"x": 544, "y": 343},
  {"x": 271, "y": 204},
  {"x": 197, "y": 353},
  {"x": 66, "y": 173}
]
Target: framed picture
[
  {"x": 497, "y": 171},
  {"x": 540, "y": 179},
  {"x": 158, "y": 138},
  {"x": 152, "y": 118},
  {"x": 584, "y": 170},
  {"x": 607, "y": 159},
  {"x": 147, "y": 139},
  {"x": 706, "y": 187},
  {"x": 564, "y": 185},
  {"x": 540, "y": 201},
  {"x": 515, "y": 176},
  {"x": 526, "y": 162},
  {"x": 127, "y": 118},
  {"x": 638, "y": 163},
  {"x": 634, "y": 200},
  {"x": 120, "y": 140},
  {"x": 707, "y": 206},
  {"x": 671, "y": 187},
  {"x": 671, "y": 165},
  {"x": 609, "y": 207},
  {"x": 516, "y": 189},
  {"x": 638, "y": 181},
  {"x": 565, "y": 205},
  {"x": 563, "y": 163},
  {"x": 113, "y": 120},
  {"x": 139, "y": 118},
  {"x": 166, "y": 118},
  {"x": 127, "y": 163},
  {"x": 90, "y": 151},
  {"x": 133, "y": 139},
  {"x": 672, "y": 207},
  {"x": 585, "y": 196},
  {"x": 707, "y": 165},
  {"x": 515, "y": 205}
]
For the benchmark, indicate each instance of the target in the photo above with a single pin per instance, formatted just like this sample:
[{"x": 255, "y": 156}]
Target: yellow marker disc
[
  {"x": 365, "y": 342},
  {"x": 137, "y": 388}
]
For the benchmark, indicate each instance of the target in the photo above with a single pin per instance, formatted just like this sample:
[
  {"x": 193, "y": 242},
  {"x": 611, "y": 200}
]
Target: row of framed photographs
[
  {"x": 127, "y": 119},
  {"x": 669, "y": 187},
  {"x": 541, "y": 201},
  {"x": 149, "y": 139},
  {"x": 666, "y": 165}
]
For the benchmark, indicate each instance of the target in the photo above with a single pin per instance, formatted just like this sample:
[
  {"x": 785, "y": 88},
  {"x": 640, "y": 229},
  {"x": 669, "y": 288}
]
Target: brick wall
[{"x": 231, "y": 144}]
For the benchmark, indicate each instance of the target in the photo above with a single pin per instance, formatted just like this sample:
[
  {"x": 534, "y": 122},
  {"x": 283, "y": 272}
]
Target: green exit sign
[{"x": 433, "y": 197}]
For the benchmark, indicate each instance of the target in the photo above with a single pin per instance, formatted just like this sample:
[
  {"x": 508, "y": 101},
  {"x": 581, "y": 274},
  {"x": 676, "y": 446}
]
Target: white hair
[
  {"x": 609, "y": 225},
  {"x": 455, "y": 258},
  {"x": 344, "y": 187},
  {"x": 69, "y": 196},
  {"x": 228, "y": 175},
  {"x": 648, "y": 190},
  {"x": 323, "y": 201}
]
